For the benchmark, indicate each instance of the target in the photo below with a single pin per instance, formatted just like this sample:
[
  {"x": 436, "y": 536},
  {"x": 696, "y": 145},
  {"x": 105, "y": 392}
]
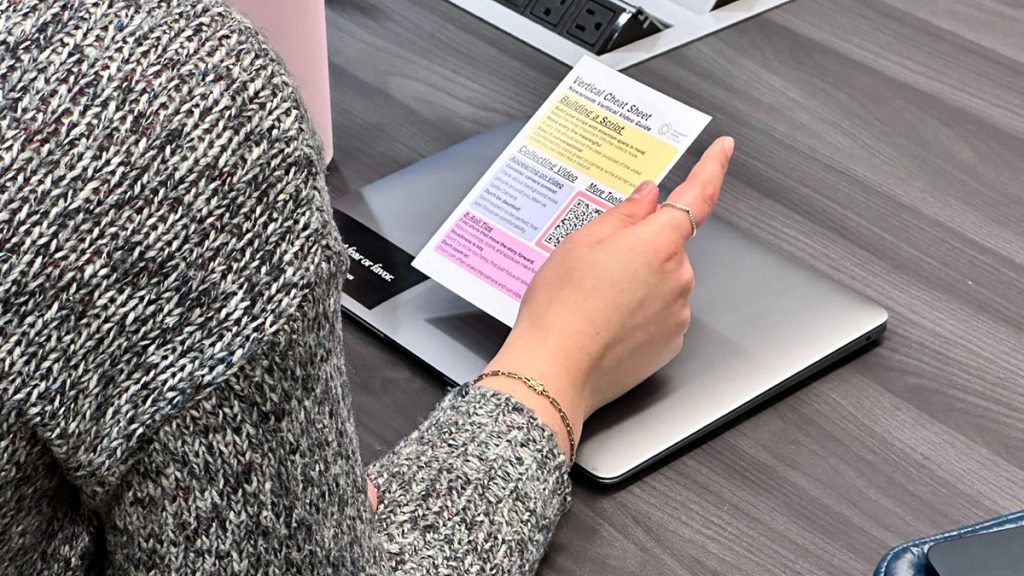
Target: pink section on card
[{"x": 491, "y": 254}]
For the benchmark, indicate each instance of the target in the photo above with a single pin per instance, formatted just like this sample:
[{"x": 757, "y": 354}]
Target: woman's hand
[{"x": 611, "y": 305}]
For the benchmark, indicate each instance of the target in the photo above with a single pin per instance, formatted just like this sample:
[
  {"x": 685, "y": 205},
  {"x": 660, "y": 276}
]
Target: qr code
[{"x": 579, "y": 213}]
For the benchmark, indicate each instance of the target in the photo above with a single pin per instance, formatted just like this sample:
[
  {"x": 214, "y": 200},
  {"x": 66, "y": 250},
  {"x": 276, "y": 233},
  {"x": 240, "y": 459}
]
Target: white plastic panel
[{"x": 687, "y": 26}]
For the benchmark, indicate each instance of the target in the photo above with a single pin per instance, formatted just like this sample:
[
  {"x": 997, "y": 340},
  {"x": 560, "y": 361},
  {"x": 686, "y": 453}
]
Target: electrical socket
[
  {"x": 550, "y": 12},
  {"x": 591, "y": 22},
  {"x": 606, "y": 25}
]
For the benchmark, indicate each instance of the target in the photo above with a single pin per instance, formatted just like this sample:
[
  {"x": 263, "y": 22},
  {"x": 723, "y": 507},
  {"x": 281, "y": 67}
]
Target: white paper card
[{"x": 593, "y": 141}]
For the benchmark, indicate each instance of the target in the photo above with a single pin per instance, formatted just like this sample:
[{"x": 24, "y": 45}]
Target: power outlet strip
[
  {"x": 598, "y": 25},
  {"x": 681, "y": 22}
]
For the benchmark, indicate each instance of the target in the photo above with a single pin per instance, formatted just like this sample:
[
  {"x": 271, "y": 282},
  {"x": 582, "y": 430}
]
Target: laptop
[{"x": 761, "y": 321}]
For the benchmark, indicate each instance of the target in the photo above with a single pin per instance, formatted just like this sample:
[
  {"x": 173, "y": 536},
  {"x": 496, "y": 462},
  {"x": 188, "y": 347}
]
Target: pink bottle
[{"x": 297, "y": 29}]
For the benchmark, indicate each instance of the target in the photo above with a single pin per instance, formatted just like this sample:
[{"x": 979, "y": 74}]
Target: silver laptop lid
[{"x": 761, "y": 321}]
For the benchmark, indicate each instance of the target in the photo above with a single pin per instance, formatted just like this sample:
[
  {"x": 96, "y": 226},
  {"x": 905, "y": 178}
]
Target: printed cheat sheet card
[{"x": 595, "y": 139}]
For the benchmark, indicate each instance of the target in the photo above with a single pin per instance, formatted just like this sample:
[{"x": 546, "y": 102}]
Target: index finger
[{"x": 700, "y": 191}]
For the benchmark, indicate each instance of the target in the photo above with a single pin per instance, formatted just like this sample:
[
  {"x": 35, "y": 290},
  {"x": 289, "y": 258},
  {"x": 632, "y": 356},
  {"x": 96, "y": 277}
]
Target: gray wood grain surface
[{"x": 881, "y": 141}]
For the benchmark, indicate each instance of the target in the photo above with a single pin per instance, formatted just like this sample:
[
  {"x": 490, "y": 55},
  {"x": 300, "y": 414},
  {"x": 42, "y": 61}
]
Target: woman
[{"x": 173, "y": 396}]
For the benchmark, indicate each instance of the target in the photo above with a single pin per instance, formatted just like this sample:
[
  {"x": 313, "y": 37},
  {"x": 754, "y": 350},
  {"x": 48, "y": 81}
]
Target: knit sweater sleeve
[
  {"x": 173, "y": 393},
  {"x": 478, "y": 488},
  {"x": 160, "y": 204}
]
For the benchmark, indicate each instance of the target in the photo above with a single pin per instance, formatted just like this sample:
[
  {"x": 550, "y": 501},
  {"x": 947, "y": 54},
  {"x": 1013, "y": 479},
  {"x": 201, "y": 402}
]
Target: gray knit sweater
[{"x": 173, "y": 397}]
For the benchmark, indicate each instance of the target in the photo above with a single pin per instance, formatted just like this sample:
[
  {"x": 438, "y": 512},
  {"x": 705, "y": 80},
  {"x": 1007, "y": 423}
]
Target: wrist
[
  {"x": 562, "y": 378},
  {"x": 557, "y": 381},
  {"x": 543, "y": 355},
  {"x": 541, "y": 408}
]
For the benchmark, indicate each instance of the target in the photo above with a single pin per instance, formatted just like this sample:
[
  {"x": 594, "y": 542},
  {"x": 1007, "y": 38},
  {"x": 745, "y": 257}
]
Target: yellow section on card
[{"x": 600, "y": 144}]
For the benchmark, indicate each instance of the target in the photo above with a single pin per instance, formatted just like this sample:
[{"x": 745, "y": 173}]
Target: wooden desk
[{"x": 880, "y": 141}]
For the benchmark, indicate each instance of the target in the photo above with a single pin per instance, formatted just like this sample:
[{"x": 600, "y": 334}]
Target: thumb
[{"x": 640, "y": 204}]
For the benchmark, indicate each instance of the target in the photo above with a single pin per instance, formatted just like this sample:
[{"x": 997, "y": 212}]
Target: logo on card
[
  {"x": 664, "y": 129},
  {"x": 378, "y": 270}
]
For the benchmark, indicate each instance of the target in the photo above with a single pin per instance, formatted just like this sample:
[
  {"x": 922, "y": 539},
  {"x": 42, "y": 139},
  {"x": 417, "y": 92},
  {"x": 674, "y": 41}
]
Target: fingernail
[
  {"x": 643, "y": 190},
  {"x": 730, "y": 145}
]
